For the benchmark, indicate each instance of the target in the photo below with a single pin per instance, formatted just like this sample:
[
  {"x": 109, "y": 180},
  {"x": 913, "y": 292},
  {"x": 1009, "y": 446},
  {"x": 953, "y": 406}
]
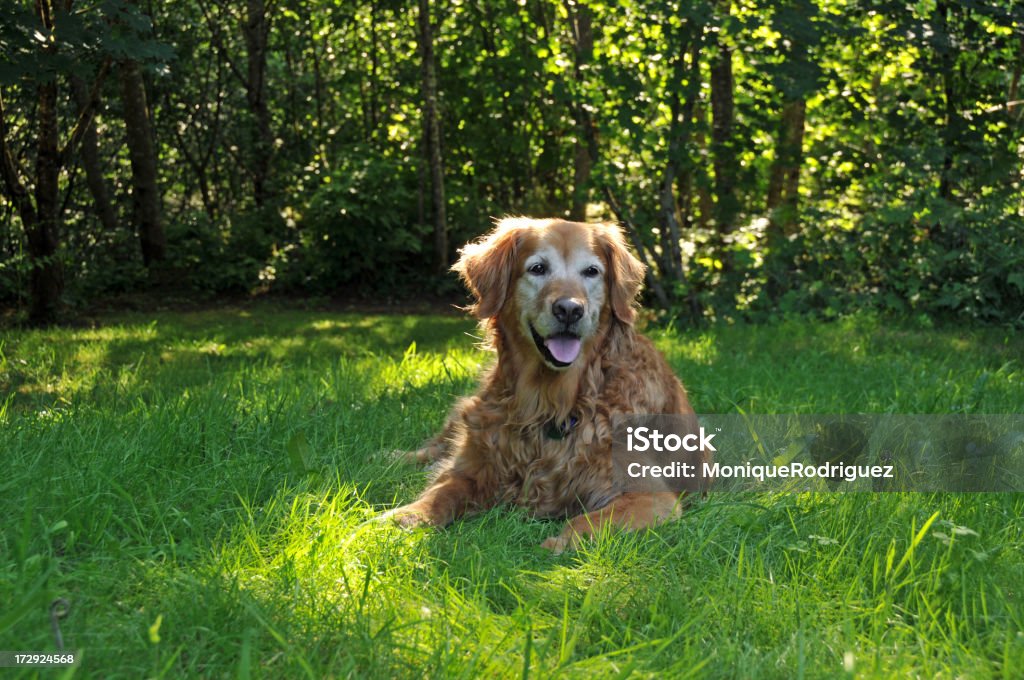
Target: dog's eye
[
  {"x": 539, "y": 269},
  {"x": 591, "y": 271}
]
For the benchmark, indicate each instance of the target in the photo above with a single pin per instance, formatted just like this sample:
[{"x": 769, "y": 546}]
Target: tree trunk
[
  {"x": 256, "y": 31},
  {"x": 680, "y": 129},
  {"x": 696, "y": 201},
  {"x": 47, "y": 278},
  {"x": 90, "y": 155},
  {"x": 705, "y": 201},
  {"x": 46, "y": 281},
  {"x": 145, "y": 192},
  {"x": 432, "y": 137},
  {"x": 373, "y": 124},
  {"x": 952, "y": 118},
  {"x": 791, "y": 183},
  {"x": 1013, "y": 104},
  {"x": 585, "y": 146},
  {"x": 784, "y": 181},
  {"x": 722, "y": 118}
]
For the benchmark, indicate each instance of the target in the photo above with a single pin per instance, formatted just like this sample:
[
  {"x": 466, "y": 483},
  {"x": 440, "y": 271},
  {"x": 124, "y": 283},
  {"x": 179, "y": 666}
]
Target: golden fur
[{"x": 496, "y": 445}]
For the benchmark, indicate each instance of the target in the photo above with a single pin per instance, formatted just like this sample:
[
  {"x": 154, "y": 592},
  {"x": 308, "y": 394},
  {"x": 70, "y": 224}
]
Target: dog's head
[{"x": 556, "y": 283}]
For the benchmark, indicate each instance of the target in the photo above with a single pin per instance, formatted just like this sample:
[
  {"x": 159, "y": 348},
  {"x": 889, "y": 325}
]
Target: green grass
[{"x": 198, "y": 486}]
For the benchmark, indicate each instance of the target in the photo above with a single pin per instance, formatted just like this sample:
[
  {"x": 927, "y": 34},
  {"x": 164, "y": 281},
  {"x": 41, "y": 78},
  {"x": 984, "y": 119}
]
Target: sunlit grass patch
[{"x": 201, "y": 487}]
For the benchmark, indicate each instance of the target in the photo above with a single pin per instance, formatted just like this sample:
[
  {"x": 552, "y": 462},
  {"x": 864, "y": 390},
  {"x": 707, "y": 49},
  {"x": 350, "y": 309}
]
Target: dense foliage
[{"x": 766, "y": 157}]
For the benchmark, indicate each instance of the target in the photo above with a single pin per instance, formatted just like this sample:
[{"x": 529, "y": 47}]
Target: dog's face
[
  {"x": 560, "y": 292},
  {"x": 556, "y": 283}
]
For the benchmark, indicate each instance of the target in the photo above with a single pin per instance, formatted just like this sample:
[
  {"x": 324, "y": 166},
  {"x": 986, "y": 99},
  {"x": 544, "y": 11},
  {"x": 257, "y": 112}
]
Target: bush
[
  {"x": 224, "y": 258},
  {"x": 921, "y": 256},
  {"x": 360, "y": 230}
]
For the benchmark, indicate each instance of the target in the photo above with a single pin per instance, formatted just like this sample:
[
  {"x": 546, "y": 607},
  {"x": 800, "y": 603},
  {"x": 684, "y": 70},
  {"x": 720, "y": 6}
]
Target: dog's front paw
[
  {"x": 406, "y": 517},
  {"x": 567, "y": 541},
  {"x": 403, "y": 456},
  {"x": 428, "y": 455}
]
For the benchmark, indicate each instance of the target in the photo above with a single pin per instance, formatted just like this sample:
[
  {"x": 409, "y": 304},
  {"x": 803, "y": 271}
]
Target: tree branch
[
  {"x": 85, "y": 117},
  {"x": 15, "y": 188},
  {"x": 215, "y": 36},
  {"x": 634, "y": 235}
]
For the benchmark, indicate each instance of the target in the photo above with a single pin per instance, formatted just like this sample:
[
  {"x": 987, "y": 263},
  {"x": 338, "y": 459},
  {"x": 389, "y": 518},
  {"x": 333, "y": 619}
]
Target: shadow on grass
[{"x": 190, "y": 350}]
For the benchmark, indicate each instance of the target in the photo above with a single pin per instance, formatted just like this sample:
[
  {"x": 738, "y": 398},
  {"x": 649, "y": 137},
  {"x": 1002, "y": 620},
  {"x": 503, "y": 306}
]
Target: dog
[{"x": 557, "y": 301}]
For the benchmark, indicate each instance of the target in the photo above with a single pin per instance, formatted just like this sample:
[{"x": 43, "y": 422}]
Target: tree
[
  {"x": 722, "y": 116},
  {"x": 256, "y": 30},
  {"x": 90, "y": 155},
  {"x": 585, "y": 144},
  {"x": 796, "y": 78},
  {"x": 145, "y": 191},
  {"x": 35, "y": 192},
  {"x": 432, "y": 136},
  {"x": 682, "y": 92}
]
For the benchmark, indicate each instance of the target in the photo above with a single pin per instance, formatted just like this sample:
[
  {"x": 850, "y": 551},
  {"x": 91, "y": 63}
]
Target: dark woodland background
[{"x": 766, "y": 158}]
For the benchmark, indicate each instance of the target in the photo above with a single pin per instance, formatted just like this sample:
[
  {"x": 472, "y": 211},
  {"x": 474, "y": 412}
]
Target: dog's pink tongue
[{"x": 563, "y": 348}]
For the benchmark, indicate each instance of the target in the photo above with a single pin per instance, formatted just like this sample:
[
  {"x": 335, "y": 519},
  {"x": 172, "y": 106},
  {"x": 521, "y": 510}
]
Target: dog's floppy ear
[
  {"x": 486, "y": 267},
  {"x": 625, "y": 274}
]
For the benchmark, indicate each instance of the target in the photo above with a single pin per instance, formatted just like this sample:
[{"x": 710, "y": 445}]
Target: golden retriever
[{"x": 557, "y": 300}]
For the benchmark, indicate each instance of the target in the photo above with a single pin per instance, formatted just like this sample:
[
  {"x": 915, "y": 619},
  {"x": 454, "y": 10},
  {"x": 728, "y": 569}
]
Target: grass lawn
[{"x": 198, "y": 486}]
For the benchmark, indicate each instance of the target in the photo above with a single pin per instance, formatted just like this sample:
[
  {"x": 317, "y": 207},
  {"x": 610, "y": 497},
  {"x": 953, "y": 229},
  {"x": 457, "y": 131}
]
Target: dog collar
[{"x": 561, "y": 430}]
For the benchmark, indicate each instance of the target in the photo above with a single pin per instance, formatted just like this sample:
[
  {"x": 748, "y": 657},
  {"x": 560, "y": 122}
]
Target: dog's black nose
[{"x": 567, "y": 310}]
